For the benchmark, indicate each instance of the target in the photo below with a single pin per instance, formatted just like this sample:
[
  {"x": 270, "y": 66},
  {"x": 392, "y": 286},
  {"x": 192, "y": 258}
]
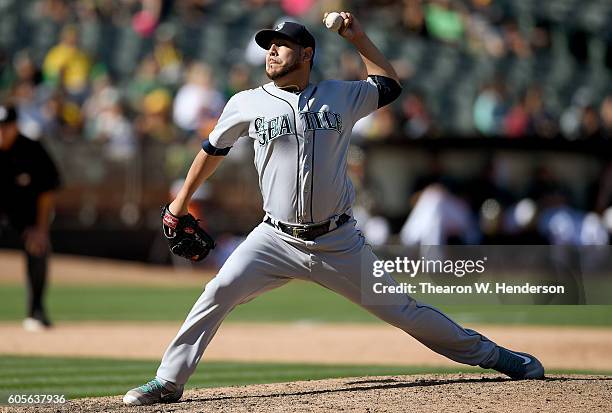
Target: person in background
[
  {"x": 67, "y": 65},
  {"x": 28, "y": 179},
  {"x": 198, "y": 103}
]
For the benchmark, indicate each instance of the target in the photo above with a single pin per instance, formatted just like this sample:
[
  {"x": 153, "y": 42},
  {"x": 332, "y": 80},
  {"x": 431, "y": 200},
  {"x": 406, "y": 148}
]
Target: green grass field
[
  {"x": 296, "y": 301},
  {"x": 77, "y": 377}
]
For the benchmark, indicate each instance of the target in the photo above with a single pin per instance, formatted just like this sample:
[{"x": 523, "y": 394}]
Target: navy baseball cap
[
  {"x": 292, "y": 31},
  {"x": 8, "y": 114}
]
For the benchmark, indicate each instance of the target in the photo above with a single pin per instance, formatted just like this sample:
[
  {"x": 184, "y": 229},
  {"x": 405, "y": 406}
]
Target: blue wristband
[{"x": 211, "y": 150}]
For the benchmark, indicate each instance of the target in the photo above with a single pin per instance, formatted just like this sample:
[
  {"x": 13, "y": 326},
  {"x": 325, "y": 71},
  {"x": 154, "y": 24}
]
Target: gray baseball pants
[{"x": 269, "y": 258}]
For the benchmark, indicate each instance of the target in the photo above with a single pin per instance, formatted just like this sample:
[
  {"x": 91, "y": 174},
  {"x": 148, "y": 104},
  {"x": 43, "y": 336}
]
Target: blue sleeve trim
[
  {"x": 388, "y": 89},
  {"x": 211, "y": 150}
]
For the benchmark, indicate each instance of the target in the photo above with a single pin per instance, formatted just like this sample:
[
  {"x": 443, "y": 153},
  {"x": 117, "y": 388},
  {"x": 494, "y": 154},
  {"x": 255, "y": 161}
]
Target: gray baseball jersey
[{"x": 301, "y": 143}]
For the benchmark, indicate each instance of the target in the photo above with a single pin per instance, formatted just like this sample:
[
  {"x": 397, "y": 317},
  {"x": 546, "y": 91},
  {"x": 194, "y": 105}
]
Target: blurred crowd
[
  {"x": 490, "y": 31},
  {"x": 72, "y": 96},
  {"x": 155, "y": 86},
  {"x": 482, "y": 210},
  {"x": 497, "y": 115},
  {"x": 173, "y": 95}
]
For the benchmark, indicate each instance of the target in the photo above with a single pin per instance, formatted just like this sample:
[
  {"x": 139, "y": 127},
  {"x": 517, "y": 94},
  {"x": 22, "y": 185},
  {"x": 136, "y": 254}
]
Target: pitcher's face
[{"x": 283, "y": 57}]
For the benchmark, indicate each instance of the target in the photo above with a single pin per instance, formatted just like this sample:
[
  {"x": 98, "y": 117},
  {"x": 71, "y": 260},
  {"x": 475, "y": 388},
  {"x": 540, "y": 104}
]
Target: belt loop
[
  {"x": 334, "y": 222},
  {"x": 273, "y": 221}
]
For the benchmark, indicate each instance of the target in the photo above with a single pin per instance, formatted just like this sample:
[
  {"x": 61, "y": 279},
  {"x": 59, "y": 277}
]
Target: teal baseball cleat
[
  {"x": 153, "y": 392},
  {"x": 519, "y": 366}
]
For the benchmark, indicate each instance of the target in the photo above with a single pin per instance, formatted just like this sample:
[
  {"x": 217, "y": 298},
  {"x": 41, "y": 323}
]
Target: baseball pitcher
[{"x": 301, "y": 132}]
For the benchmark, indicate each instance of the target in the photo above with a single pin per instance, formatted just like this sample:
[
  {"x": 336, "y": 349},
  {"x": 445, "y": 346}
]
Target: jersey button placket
[
  {"x": 305, "y": 167},
  {"x": 306, "y": 178},
  {"x": 307, "y": 175},
  {"x": 305, "y": 183},
  {"x": 301, "y": 219}
]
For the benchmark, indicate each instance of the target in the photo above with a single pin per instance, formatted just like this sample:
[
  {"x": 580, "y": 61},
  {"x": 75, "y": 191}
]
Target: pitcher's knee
[
  {"x": 227, "y": 289},
  {"x": 391, "y": 314},
  {"x": 409, "y": 318},
  {"x": 217, "y": 293}
]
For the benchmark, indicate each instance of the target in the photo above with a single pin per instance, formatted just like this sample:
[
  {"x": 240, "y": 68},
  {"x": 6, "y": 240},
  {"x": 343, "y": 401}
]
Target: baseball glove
[{"x": 185, "y": 237}]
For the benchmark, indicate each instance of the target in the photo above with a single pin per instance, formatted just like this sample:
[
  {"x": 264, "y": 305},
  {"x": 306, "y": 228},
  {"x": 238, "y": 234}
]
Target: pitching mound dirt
[{"x": 423, "y": 393}]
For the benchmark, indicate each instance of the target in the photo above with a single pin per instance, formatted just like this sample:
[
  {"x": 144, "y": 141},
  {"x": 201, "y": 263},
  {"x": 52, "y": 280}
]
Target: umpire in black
[{"x": 28, "y": 179}]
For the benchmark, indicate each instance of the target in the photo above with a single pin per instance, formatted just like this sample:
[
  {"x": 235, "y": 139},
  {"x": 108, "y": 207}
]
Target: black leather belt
[{"x": 308, "y": 232}]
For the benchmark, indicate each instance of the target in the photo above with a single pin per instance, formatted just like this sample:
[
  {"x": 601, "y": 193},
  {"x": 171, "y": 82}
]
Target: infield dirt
[
  {"x": 423, "y": 393},
  {"x": 575, "y": 348}
]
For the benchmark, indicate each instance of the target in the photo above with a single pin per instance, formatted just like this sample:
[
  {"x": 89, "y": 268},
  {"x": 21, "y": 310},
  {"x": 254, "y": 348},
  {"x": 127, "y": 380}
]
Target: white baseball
[{"x": 334, "y": 21}]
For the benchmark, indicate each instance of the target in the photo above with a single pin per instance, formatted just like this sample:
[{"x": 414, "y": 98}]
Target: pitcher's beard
[{"x": 285, "y": 71}]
